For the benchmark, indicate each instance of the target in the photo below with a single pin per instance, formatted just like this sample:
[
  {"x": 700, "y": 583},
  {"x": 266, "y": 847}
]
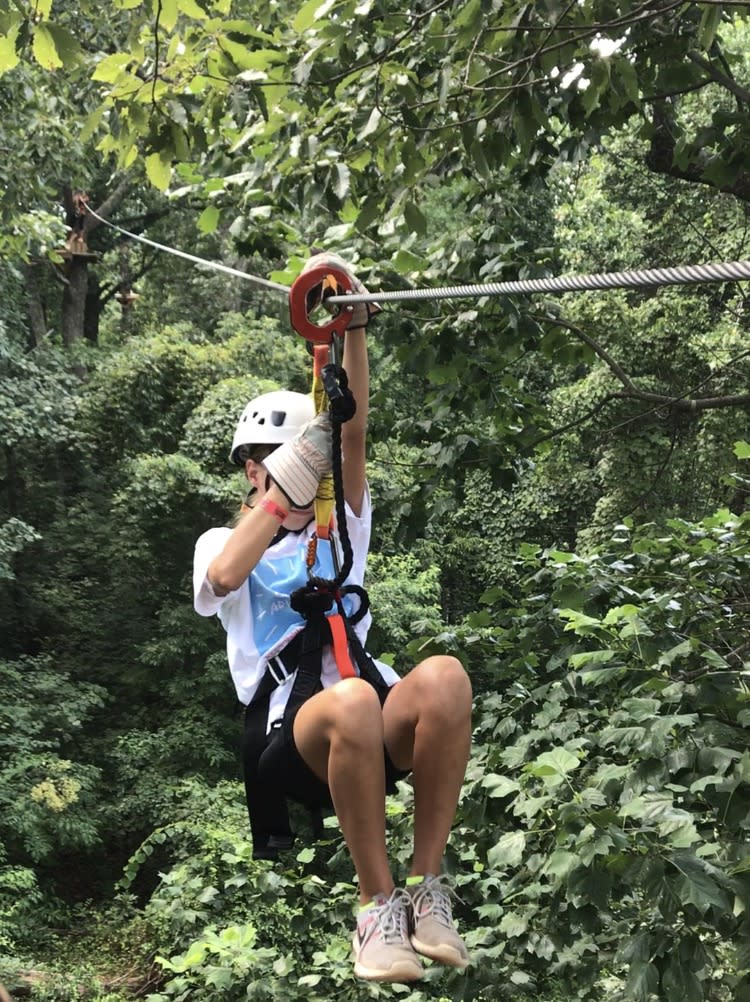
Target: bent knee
[
  {"x": 446, "y": 682},
  {"x": 354, "y": 704}
]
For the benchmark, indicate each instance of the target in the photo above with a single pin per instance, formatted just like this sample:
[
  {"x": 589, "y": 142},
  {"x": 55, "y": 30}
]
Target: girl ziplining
[{"x": 325, "y": 724}]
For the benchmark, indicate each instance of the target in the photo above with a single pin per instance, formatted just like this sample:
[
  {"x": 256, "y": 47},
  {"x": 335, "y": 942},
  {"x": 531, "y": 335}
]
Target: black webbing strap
[{"x": 266, "y": 804}]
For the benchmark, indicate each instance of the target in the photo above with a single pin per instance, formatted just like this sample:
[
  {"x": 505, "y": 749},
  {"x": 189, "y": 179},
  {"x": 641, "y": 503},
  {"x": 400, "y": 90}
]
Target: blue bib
[{"x": 272, "y": 582}]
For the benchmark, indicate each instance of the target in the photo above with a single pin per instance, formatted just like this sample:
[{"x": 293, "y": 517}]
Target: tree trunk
[
  {"x": 75, "y": 324},
  {"x": 74, "y": 300},
  {"x": 92, "y": 310},
  {"x": 37, "y": 319}
]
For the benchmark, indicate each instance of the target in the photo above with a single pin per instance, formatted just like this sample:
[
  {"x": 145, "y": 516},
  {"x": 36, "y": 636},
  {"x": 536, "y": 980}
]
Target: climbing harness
[{"x": 320, "y": 602}]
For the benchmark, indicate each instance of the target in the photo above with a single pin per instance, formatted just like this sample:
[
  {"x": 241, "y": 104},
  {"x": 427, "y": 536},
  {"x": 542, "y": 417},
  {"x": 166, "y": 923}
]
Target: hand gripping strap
[{"x": 298, "y": 299}]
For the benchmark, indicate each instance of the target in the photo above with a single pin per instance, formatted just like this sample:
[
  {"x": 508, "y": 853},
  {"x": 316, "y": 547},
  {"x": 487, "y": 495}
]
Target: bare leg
[
  {"x": 427, "y": 721},
  {"x": 339, "y": 734}
]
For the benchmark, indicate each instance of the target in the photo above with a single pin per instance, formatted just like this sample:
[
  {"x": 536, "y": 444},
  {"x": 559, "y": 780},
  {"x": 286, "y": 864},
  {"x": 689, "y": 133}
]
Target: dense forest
[{"x": 560, "y": 483}]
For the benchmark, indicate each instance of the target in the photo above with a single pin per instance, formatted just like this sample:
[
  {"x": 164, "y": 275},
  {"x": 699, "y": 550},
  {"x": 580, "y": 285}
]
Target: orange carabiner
[{"x": 301, "y": 287}]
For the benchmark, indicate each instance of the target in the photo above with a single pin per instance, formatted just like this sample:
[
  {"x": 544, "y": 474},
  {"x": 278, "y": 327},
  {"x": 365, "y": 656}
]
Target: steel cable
[{"x": 732, "y": 271}]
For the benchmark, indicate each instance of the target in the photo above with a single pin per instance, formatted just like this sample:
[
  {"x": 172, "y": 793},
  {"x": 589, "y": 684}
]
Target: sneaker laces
[
  {"x": 433, "y": 897},
  {"x": 392, "y": 917}
]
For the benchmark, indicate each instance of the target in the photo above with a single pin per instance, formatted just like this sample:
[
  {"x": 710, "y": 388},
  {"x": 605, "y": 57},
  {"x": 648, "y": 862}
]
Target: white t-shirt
[{"x": 257, "y": 616}]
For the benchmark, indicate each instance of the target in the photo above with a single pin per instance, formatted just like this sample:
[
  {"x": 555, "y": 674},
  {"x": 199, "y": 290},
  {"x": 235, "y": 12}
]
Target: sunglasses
[{"x": 261, "y": 452}]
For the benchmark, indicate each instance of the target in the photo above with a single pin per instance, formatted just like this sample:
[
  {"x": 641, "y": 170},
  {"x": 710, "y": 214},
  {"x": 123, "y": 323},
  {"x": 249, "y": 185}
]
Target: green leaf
[
  {"x": 220, "y": 977},
  {"x": 512, "y": 924},
  {"x": 499, "y": 786},
  {"x": 67, "y": 45},
  {"x": 306, "y": 855},
  {"x": 415, "y": 219},
  {"x": 742, "y": 450},
  {"x": 643, "y": 980},
  {"x": 520, "y": 977},
  {"x": 469, "y": 16},
  {"x": 629, "y": 78},
  {"x": 371, "y": 125},
  {"x": 404, "y": 261},
  {"x": 341, "y": 182},
  {"x": 158, "y": 171},
  {"x": 110, "y": 68},
  {"x": 311, "y": 12},
  {"x": 8, "y": 55},
  {"x": 44, "y": 48},
  {"x": 192, "y": 9},
  {"x": 697, "y": 885},
  {"x": 579, "y": 622},
  {"x": 713, "y": 658},
  {"x": 561, "y": 863},
  {"x": 558, "y": 762},
  {"x": 590, "y": 657},
  {"x": 167, "y": 14},
  {"x": 640, "y": 709},
  {"x": 561, "y": 556},
  {"x": 310, "y": 980},
  {"x": 680, "y": 984},
  {"x": 681, "y": 650},
  {"x": 508, "y": 851},
  {"x": 710, "y": 21},
  {"x": 209, "y": 219},
  {"x": 255, "y": 62}
]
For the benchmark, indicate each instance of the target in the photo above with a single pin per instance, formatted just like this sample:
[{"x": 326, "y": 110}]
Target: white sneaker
[
  {"x": 434, "y": 934},
  {"x": 382, "y": 951}
]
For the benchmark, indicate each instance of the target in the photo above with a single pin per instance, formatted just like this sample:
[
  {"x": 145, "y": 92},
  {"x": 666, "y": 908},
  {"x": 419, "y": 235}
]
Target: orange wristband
[{"x": 273, "y": 509}]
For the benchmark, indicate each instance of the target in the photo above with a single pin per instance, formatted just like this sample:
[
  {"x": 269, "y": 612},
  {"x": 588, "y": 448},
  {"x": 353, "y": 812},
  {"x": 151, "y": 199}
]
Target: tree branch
[
  {"x": 633, "y": 392},
  {"x": 660, "y": 159},
  {"x": 108, "y": 206},
  {"x": 728, "y": 83},
  {"x": 614, "y": 366},
  {"x": 576, "y": 421}
]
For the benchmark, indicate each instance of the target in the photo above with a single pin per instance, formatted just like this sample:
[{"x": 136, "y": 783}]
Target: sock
[{"x": 378, "y": 899}]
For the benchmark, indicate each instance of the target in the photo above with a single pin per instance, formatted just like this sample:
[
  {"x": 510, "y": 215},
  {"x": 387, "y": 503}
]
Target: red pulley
[{"x": 298, "y": 304}]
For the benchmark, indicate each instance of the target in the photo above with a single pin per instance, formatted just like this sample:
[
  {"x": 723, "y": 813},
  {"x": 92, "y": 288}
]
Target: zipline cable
[
  {"x": 264, "y": 282},
  {"x": 732, "y": 271}
]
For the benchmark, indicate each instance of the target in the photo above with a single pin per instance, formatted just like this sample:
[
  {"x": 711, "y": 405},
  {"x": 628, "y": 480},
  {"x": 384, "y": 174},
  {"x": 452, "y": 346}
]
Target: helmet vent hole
[{"x": 278, "y": 418}]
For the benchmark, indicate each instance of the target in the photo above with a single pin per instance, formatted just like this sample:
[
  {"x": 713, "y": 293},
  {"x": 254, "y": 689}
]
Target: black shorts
[{"x": 296, "y": 778}]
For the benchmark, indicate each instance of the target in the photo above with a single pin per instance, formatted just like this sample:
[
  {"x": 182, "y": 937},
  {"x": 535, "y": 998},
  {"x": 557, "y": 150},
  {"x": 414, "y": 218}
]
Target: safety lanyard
[{"x": 325, "y": 341}]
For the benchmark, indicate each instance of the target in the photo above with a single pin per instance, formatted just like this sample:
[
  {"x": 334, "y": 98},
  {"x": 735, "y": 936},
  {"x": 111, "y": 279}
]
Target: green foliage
[
  {"x": 404, "y": 598},
  {"x": 20, "y": 896},
  {"x": 229, "y": 928},
  {"x": 45, "y": 797},
  {"x": 602, "y": 824},
  {"x": 605, "y": 807}
]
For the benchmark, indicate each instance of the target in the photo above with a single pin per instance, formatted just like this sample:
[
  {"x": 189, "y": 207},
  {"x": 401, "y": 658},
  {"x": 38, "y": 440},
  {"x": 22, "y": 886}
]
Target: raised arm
[
  {"x": 247, "y": 544},
  {"x": 354, "y": 432}
]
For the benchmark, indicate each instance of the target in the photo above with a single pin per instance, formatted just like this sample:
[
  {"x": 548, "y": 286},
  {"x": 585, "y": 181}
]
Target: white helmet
[{"x": 271, "y": 419}]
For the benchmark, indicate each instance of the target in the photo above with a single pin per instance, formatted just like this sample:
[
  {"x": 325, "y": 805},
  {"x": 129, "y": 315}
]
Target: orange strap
[{"x": 341, "y": 647}]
